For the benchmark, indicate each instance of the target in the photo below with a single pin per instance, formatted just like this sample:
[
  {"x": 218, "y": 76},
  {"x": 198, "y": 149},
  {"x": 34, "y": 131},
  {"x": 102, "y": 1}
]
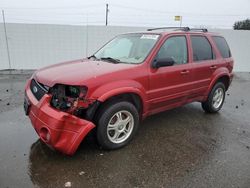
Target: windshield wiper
[
  {"x": 110, "y": 59},
  {"x": 92, "y": 56}
]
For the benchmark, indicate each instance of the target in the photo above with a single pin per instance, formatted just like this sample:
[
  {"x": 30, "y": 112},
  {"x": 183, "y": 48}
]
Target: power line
[
  {"x": 58, "y": 13},
  {"x": 142, "y": 15},
  {"x": 54, "y": 21},
  {"x": 49, "y": 18},
  {"x": 53, "y": 8},
  {"x": 174, "y": 12}
]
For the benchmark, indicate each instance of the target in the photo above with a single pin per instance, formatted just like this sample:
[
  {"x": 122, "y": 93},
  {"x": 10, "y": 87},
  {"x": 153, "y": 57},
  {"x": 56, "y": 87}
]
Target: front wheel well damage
[
  {"x": 130, "y": 97},
  {"x": 89, "y": 112}
]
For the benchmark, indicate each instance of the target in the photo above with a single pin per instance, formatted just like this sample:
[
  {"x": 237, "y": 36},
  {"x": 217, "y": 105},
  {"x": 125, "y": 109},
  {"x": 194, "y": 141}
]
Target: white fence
[{"x": 33, "y": 46}]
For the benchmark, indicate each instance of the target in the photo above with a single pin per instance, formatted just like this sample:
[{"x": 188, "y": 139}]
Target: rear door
[{"x": 204, "y": 63}]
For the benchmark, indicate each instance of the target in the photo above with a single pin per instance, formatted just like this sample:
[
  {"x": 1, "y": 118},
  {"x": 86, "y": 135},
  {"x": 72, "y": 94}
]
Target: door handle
[
  {"x": 213, "y": 67},
  {"x": 184, "y": 72}
]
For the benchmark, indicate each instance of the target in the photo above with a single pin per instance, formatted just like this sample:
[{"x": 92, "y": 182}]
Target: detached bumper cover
[{"x": 62, "y": 131}]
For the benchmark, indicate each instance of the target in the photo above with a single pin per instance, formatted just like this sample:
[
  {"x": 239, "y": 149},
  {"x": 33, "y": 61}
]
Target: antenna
[
  {"x": 6, "y": 39},
  {"x": 107, "y": 12}
]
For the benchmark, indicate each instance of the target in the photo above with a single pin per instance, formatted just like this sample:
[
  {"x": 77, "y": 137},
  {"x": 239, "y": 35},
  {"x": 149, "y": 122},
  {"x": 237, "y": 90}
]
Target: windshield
[{"x": 128, "y": 48}]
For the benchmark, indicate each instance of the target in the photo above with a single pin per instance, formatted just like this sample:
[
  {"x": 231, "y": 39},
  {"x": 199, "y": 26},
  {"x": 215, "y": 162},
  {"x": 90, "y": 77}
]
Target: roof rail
[
  {"x": 180, "y": 28},
  {"x": 199, "y": 29},
  {"x": 176, "y": 28}
]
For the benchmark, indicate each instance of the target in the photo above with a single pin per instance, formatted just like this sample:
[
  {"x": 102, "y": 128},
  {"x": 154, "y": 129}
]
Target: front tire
[
  {"x": 117, "y": 125},
  {"x": 215, "y": 98}
]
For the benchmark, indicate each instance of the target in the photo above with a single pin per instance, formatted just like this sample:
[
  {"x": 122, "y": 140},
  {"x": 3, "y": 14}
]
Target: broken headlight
[
  {"x": 73, "y": 91},
  {"x": 68, "y": 98}
]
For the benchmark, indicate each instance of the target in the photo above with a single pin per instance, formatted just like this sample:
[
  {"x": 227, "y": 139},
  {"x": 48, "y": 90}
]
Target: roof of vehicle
[{"x": 171, "y": 30}]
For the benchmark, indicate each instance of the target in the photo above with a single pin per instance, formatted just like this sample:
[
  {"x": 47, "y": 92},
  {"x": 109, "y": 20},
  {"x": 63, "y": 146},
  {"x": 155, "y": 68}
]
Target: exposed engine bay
[{"x": 69, "y": 99}]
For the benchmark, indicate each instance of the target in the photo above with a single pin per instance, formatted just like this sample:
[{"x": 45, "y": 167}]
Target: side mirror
[{"x": 163, "y": 62}]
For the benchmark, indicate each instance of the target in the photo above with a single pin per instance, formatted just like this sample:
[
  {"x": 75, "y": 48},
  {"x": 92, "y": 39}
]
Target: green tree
[{"x": 242, "y": 25}]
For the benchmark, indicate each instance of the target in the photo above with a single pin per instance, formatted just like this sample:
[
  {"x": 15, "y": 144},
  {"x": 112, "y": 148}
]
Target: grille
[{"x": 37, "y": 89}]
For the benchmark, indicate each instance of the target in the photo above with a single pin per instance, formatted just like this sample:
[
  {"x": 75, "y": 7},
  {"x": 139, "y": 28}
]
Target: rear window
[
  {"x": 222, "y": 46},
  {"x": 202, "y": 50}
]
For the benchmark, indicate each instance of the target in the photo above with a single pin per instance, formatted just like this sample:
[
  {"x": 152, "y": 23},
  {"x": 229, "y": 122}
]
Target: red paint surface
[
  {"x": 66, "y": 131},
  {"x": 159, "y": 89}
]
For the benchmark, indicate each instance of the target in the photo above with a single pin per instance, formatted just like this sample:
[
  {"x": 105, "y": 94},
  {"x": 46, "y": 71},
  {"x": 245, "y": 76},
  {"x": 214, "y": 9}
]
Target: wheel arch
[
  {"x": 132, "y": 97},
  {"x": 224, "y": 78}
]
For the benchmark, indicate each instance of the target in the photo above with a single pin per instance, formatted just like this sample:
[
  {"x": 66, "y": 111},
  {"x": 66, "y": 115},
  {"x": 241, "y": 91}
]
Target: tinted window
[
  {"x": 222, "y": 46},
  {"x": 202, "y": 49},
  {"x": 175, "y": 48}
]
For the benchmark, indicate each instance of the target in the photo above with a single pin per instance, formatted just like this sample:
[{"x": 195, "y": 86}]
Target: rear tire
[
  {"x": 117, "y": 125},
  {"x": 215, "y": 99}
]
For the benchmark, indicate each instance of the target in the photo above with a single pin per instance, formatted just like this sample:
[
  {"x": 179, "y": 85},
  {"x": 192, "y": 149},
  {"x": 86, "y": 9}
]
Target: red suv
[{"x": 131, "y": 77}]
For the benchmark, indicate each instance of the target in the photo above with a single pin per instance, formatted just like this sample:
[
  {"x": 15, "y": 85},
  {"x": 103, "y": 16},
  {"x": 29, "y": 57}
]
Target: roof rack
[
  {"x": 176, "y": 28},
  {"x": 199, "y": 29},
  {"x": 180, "y": 28}
]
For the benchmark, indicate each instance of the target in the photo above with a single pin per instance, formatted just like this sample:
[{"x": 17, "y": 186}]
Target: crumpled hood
[{"x": 76, "y": 72}]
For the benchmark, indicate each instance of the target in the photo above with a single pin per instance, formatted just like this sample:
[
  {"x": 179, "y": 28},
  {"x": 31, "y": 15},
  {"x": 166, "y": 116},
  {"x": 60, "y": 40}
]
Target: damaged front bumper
[{"x": 60, "y": 130}]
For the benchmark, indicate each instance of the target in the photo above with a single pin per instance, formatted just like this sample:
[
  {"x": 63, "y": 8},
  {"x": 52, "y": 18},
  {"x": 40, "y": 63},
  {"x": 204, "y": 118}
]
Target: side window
[
  {"x": 202, "y": 49},
  {"x": 222, "y": 46},
  {"x": 175, "y": 48}
]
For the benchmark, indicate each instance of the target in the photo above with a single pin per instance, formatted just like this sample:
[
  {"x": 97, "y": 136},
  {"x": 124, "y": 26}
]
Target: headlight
[
  {"x": 72, "y": 91},
  {"x": 75, "y": 91}
]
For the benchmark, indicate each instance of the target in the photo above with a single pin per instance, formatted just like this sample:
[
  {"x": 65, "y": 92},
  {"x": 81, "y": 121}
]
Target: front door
[{"x": 170, "y": 86}]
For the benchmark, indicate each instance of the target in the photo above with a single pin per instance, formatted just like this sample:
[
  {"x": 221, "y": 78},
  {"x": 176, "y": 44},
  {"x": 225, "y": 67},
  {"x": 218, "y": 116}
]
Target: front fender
[{"x": 111, "y": 89}]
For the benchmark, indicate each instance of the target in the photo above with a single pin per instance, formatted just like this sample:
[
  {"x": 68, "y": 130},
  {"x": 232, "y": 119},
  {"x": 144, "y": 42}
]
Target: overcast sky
[{"x": 209, "y": 13}]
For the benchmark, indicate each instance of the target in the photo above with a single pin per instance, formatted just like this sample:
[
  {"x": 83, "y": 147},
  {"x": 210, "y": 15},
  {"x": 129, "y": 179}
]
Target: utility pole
[
  {"x": 107, "y": 11},
  {"x": 6, "y": 39}
]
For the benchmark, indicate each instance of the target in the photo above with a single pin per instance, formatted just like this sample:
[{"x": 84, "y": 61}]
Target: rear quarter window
[{"x": 222, "y": 46}]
